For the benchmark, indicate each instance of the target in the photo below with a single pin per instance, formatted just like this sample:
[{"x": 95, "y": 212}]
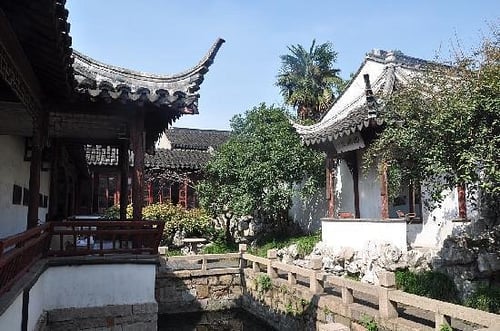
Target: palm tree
[{"x": 307, "y": 80}]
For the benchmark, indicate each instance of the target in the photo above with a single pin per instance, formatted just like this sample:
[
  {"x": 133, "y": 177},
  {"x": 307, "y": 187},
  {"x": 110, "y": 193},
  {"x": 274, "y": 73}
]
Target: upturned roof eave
[
  {"x": 94, "y": 77},
  {"x": 332, "y": 127}
]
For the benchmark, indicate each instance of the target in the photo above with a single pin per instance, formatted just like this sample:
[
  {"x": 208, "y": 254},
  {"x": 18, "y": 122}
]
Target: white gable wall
[{"x": 14, "y": 170}]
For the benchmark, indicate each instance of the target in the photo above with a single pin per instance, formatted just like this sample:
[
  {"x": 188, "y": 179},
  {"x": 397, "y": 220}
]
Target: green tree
[
  {"x": 254, "y": 172},
  {"x": 444, "y": 126},
  {"x": 307, "y": 79}
]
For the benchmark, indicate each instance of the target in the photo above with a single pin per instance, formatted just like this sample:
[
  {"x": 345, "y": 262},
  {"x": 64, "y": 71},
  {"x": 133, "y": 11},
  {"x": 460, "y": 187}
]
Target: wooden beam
[
  {"x": 137, "y": 141},
  {"x": 16, "y": 70},
  {"x": 123, "y": 163}
]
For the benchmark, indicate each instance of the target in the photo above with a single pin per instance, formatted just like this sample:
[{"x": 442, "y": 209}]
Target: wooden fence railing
[
  {"x": 74, "y": 238},
  {"x": 104, "y": 237},
  {"x": 385, "y": 296},
  {"x": 19, "y": 252}
]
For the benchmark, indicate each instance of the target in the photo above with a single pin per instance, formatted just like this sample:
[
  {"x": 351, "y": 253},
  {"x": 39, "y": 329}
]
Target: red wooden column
[
  {"x": 95, "y": 192},
  {"x": 137, "y": 141},
  {"x": 123, "y": 164},
  {"x": 54, "y": 173},
  {"x": 331, "y": 168},
  {"x": 462, "y": 203},
  {"x": 384, "y": 209},
  {"x": 35, "y": 167}
]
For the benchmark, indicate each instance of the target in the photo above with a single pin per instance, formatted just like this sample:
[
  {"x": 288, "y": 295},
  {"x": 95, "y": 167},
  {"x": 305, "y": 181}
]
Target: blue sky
[{"x": 169, "y": 36}]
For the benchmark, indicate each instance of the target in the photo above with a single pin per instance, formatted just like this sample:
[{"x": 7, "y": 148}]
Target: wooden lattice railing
[
  {"x": 19, "y": 252},
  {"x": 105, "y": 237},
  {"x": 75, "y": 238}
]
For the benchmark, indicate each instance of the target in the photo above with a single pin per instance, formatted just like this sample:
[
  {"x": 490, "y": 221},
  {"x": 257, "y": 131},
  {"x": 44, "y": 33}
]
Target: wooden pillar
[
  {"x": 462, "y": 203},
  {"x": 35, "y": 167},
  {"x": 150, "y": 193},
  {"x": 352, "y": 162},
  {"x": 95, "y": 192},
  {"x": 183, "y": 194},
  {"x": 331, "y": 167},
  {"x": 137, "y": 140},
  {"x": 411, "y": 198},
  {"x": 384, "y": 191},
  {"x": 54, "y": 172},
  {"x": 123, "y": 164}
]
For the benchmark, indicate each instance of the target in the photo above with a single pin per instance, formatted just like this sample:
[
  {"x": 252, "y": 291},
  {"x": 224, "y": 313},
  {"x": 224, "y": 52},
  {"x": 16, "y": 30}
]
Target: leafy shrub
[
  {"x": 264, "y": 283},
  {"x": 485, "y": 298},
  {"x": 193, "y": 222},
  {"x": 430, "y": 284},
  {"x": 369, "y": 323},
  {"x": 306, "y": 244},
  {"x": 113, "y": 212},
  {"x": 445, "y": 327},
  {"x": 219, "y": 245}
]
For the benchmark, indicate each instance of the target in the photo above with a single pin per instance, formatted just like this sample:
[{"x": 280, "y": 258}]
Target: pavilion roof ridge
[
  {"x": 351, "y": 112},
  {"x": 94, "y": 78},
  {"x": 85, "y": 60}
]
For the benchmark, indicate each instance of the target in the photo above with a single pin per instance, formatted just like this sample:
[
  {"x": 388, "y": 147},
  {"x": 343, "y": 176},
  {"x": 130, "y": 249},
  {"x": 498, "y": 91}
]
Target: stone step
[{"x": 332, "y": 327}]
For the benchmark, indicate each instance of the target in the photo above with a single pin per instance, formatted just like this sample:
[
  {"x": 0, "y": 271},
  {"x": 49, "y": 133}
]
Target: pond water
[{"x": 227, "y": 320}]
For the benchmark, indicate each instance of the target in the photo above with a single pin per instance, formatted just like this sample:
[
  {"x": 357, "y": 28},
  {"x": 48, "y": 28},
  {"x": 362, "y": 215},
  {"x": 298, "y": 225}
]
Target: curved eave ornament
[
  {"x": 102, "y": 82},
  {"x": 333, "y": 133}
]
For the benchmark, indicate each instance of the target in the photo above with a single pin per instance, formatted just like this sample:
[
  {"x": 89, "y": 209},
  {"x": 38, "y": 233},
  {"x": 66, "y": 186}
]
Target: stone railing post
[
  {"x": 272, "y": 255},
  {"x": 315, "y": 286},
  {"x": 204, "y": 264},
  {"x": 347, "y": 297},
  {"x": 441, "y": 320},
  {"x": 387, "y": 308},
  {"x": 242, "y": 248}
]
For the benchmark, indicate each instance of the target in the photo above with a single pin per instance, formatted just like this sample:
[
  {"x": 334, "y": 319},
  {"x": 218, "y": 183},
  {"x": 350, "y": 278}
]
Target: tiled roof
[
  {"x": 177, "y": 159},
  {"x": 42, "y": 29},
  {"x": 96, "y": 80},
  {"x": 162, "y": 159},
  {"x": 196, "y": 139},
  {"x": 191, "y": 149},
  {"x": 353, "y": 110}
]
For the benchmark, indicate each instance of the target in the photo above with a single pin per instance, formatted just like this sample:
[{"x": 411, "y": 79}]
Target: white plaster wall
[
  {"x": 307, "y": 214},
  {"x": 12, "y": 317},
  {"x": 356, "y": 233},
  {"x": 99, "y": 285},
  {"x": 369, "y": 191},
  {"x": 37, "y": 301},
  {"x": 14, "y": 170},
  {"x": 440, "y": 221},
  {"x": 344, "y": 189},
  {"x": 89, "y": 286}
]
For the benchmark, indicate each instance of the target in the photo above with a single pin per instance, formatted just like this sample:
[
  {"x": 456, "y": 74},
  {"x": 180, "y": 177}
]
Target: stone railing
[
  {"x": 386, "y": 294},
  {"x": 206, "y": 264},
  {"x": 384, "y": 301}
]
